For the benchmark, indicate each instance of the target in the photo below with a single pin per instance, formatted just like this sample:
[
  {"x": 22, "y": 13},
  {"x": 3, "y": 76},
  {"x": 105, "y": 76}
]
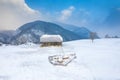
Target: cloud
[
  {"x": 83, "y": 17},
  {"x": 66, "y": 13},
  {"x": 14, "y": 13}
]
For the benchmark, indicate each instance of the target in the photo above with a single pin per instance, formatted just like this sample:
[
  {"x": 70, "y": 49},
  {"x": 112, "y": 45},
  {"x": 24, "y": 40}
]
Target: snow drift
[{"x": 95, "y": 61}]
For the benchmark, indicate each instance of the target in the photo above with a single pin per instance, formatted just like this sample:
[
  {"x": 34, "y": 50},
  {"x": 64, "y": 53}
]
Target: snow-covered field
[{"x": 95, "y": 61}]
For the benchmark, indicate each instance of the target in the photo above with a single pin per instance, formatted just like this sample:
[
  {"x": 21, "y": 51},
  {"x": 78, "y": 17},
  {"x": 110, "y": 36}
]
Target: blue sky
[
  {"x": 102, "y": 16},
  {"x": 97, "y": 8},
  {"x": 88, "y": 13},
  {"x": 52, "y": 6}
]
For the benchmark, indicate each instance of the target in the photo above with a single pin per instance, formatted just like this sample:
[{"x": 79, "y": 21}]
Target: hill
[
  {"x": 83, "y": 32},
  {"x": 32, "y": 31}
]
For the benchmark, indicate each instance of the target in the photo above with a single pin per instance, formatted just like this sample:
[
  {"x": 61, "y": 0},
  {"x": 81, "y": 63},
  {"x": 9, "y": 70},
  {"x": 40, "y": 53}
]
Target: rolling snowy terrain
[{"x": 95, "y": 61}]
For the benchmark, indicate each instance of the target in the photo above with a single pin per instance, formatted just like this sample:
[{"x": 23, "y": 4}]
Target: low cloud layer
[
  {"x": 14, "y": 13},
  {"x": 66, "y": 13}
]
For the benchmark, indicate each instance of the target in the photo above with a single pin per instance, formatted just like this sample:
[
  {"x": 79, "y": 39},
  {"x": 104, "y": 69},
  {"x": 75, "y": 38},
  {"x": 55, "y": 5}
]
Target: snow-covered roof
[{"x": 51, "y": 38}]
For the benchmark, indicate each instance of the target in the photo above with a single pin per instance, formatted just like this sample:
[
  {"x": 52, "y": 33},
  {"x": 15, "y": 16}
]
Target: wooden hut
[{"x": 51, "y": 40}]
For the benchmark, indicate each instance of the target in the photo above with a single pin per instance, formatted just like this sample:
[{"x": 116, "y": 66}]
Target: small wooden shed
[{"x": 51, "y": 40}]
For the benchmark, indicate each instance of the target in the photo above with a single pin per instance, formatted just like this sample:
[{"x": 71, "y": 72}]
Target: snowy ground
[{"x": 95, "y": 61}]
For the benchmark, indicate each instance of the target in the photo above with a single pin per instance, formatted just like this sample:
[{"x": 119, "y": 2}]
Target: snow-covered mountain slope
[
  {"x": 5, "y": 36},
  {"x": 83, "y": 32},
  {"x": 32, "y": 31},
  {"x": 8, "y": 32},
  {"x": 95, "y": 61}
]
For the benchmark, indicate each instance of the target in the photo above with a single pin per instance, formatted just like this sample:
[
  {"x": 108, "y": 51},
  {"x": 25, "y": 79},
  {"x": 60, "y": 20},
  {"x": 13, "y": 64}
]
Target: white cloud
[
  {"x": 66, "y": 13},
  {"x": 14, "y": 13}
]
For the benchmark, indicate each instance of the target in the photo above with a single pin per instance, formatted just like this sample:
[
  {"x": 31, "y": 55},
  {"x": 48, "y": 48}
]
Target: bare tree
[
  {"x": 107, "y": 36},
  {"x": 92, "y": 35}
]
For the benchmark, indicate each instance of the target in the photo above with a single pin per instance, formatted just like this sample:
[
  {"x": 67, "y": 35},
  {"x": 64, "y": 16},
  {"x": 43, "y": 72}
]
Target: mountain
[
  {"x": 32, "y": 31},
  {"x": 83, "y": 32},
  {"x": 6, "y": 35},
  {"x": 3, "y": 38}
]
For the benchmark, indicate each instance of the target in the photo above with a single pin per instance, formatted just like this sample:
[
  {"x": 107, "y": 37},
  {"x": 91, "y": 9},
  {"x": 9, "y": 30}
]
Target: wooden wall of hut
[{"x": 45, "y": 44}]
